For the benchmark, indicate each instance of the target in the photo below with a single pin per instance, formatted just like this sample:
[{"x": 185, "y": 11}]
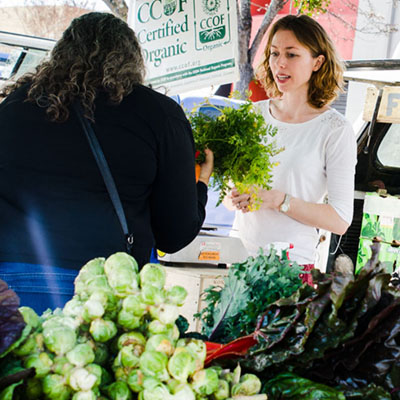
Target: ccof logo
[
  {"x": 211, "y": 6},
  {"x": 169, "y": 7}
]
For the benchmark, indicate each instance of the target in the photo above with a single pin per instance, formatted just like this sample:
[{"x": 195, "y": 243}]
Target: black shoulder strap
[{"x": 105, "y": 172}]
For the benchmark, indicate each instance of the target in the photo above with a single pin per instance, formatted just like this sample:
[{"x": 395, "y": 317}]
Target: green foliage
[
  {"x": 295, "y": 387},
  {"x": 248, "y": 289},
  {"x": 344, "y": 334},
  {"x": 312, "y": 7},
  {"x": 242, "y": 146},
  {"x": 12, "y": 322}
]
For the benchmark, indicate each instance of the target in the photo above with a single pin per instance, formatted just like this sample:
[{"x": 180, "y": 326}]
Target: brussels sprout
[
  {"x": 182, "y": 364},
  {"x": 29, "y": 346},
  {"x": 128, "y": 338},
  {"x": 92, "y": 309},
  {"x": 128, "y": 356},
  {"x": 41, "y": 362},
  {"x": 152, "y": 295},
  {"x": 81, "y": 355},
  {"x": 100, "y": 353},
  {"x": 61, "y": 365},
  {"x": 81, "y": 379},
  {"x": 183, "y": 392},
  {"x": 121, "y": 373},
  {"x": 120, "y": 259},
  {"x": 248, "y": 385},
  {"x": 127, "y": 320},
  {"x": 173, "y": 332},
  {"x": 222, "y": 392},
  {"x": 160, "y": 343},
  {"x": 73, "y": 308},
  {"x": 154, "y": 364},
  {"x": 118, "y": 391},
  {"x": 166, "y": 313},
  {"x": 92, "y": 279},
  {"x": 150, "y": 382},
  {"x": 176, "y": 295},
  {"x": 33, "y": 389},
  {"x": 30, "y": 316},
  {"x": 159, "y": 392},
  {"x": 91, "y": 268},
  {"x": 135, "y": 380},
  {"x": 95, "y": 370},
  {"x": 134, "y": 305},
  {"x": 84, "y": 395},
  {"x": 205, "y": 382},
  {"x": 122, "y": 273},
  {"x": 54, "y": 387},
  {"x": 39, "y": 341},
  {"x": 197, "y": 348},
  {"x": 102, "y": 330},
  {"x": 96, "y": 284},
  {"x": 152, "y": 274},
  {"x": 57, "y": 321},
  {"x": 157, "y": 327},
  {"x": 173, "y": 385}
]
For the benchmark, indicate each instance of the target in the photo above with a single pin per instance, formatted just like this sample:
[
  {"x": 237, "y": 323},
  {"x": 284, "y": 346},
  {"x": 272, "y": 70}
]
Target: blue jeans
[{"x": 37, "y": 286}]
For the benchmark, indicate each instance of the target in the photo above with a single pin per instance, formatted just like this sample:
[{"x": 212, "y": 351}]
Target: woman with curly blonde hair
[
  {"x": 55, "y": 211},
  {"x": 302, "y": 74}
]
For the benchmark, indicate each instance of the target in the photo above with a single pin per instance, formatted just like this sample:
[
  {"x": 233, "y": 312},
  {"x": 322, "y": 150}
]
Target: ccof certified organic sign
[{"x": 187, "y": 44}]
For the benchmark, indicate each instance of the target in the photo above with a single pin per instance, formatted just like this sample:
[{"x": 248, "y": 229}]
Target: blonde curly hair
[
  {"x": 98, "y": 52},
  {"x": 326, "y": 83}
]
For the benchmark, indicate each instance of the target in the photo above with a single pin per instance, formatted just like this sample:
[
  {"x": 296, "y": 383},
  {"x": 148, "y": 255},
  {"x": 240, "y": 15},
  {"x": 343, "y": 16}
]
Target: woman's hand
[
  {"x": 271, "y": 199},
  {"x": 239, "y": 201},
  {"x": 207, "y": 167}
]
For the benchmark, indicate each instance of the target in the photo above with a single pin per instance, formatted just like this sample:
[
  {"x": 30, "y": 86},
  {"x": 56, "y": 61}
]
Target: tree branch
[
  {"x": 245, "y": 21},
  {"x": 118, "y": 7},
  {"x": 273, "y": 9}
]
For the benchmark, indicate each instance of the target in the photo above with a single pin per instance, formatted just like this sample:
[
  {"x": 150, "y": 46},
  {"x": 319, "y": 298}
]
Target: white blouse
[{"x": 319, "y": 159}]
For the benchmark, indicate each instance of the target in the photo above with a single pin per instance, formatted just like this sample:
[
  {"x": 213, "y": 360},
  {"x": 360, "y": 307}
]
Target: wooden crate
[{"x": 194, "y": 280}]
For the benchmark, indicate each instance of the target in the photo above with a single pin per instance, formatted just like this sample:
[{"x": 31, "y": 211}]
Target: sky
[{"x": 98, "y": 4}]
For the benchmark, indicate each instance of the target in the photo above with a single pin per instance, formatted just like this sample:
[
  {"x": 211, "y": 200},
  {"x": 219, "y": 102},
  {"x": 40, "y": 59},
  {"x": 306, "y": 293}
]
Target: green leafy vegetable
[
  {"x": 344, "y": 334},
  {"x": 248, "y": 289},
  {"x": 290, "y": 386},
  {"x": 11, "y": 320},
  {"x": 242, "y": 146}
]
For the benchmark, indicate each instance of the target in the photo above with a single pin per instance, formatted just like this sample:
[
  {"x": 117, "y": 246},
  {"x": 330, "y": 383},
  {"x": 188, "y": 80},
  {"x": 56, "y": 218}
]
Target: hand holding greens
[{"x": 242, "y": 145}]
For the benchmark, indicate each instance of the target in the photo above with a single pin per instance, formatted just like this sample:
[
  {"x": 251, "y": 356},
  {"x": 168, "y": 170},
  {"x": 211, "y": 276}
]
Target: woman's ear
[{"x": 318, "y": 61}]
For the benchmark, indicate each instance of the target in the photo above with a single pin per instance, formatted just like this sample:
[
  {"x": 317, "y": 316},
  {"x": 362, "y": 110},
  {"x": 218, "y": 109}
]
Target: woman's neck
[{"x": 294, "y": 109}]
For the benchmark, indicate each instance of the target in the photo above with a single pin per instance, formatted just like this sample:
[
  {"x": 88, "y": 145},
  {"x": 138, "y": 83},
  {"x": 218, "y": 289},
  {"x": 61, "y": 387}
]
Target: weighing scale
[{"x": 212, "y": 245}]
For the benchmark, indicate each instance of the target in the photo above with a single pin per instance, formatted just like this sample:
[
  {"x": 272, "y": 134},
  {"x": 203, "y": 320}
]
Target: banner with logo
[{"x": 187, "y": 44}]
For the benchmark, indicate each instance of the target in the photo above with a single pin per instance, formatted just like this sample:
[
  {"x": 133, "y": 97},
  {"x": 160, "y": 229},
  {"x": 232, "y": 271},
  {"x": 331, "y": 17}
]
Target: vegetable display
[
  {"x": 345, "y": 334},
  {"x": 250, "y": 286},
  {"x": 117, "y": 338},
  {"x": 242, "y": 145}
]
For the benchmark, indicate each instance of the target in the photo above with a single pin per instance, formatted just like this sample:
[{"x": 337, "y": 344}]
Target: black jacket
[{"x": 54, "y": 207}]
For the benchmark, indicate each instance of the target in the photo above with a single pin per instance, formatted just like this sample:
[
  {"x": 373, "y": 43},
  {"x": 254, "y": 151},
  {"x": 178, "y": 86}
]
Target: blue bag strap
[{"x": 105, "y": 173}]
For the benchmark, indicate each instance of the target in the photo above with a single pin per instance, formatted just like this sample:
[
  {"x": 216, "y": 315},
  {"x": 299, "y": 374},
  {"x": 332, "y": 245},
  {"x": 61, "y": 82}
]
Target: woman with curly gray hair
[{"x": 55, "y": 211}]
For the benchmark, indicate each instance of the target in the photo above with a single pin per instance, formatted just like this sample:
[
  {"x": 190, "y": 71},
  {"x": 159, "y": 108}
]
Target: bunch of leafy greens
[
  {"x": 250, "y": 286},
  {"x": 344, "y": 334},
  {"x": 242, "y": 146},
  {"x": 11, "y": 321},
  {"x": 13, "y": 330}
]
